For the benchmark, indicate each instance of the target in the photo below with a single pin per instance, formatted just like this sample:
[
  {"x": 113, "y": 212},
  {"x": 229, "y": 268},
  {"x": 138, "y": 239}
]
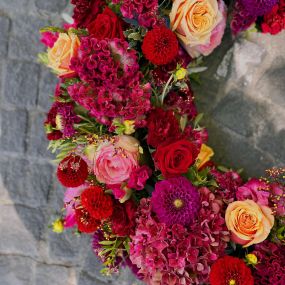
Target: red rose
[
  {"x": 123, "y": 219},
  {"x": 106, "y": 26},
  {"x": 274, "y": 21},
  {"x": 161, "y": 125},
  {"x": 174, "y": 159}
]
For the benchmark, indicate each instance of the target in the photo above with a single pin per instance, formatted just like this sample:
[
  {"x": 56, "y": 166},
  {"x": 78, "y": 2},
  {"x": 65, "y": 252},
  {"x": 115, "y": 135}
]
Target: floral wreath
[{"x": 132, "y": 153}]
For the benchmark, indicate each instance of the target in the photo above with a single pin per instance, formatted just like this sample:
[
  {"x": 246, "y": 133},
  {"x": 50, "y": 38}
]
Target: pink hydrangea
[
  {"x": 277, "y": 198},
  {"x": 176, "y": 254},
  {"x": 255, "y": 190},
  {"x": 113, "y": 91},
  {"x": 139, "y": 177}
]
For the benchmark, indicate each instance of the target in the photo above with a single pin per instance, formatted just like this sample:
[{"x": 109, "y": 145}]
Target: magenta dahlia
[{"x": 175, "y": 201}]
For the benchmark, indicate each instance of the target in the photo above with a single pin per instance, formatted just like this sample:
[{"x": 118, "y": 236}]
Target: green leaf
[
  {"x": 79, "y": 32},
  {"x": 107, "y": 242},
  {"x": 52, "y": 29},
  {"x": 197, "y": 120},
  {"x": 183, "y": 122},
  {"x": 43, "y": 58},
  {"x": 135, "y": 36}
]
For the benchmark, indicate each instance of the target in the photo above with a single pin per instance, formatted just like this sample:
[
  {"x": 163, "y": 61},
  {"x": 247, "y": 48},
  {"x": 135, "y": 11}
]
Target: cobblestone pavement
[{"x": 244, "y": 112}]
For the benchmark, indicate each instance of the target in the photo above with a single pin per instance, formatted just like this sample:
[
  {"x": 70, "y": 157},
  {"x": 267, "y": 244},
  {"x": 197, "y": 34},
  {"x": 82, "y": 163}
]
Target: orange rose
[
  {"x": 60, "y": 54},
  {"x": 204, "y": 156},
  {"x": 248, "y": 222},
  {"x": 194, "y": 21}
]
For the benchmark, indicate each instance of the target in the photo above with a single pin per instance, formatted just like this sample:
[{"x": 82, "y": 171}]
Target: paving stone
[
  {"x": 27, "y": 181},
  {"x": 13, "y": 130},
  {"x": 24, "y": 40},
  {"x": 237, "y": 113},
  {"x": 14, "y": 6},
  {"x": 4, "y": 35},
  {"x": 51, "y": 5},
  {"x": 16, "y": 270},
  {"x": 46, "y": 88},
  {"x": 54, "y": 275},
  {"x": 85, "y": 279},
  {"x": 15, "y": 237},
  {"x": 37, "y": 143},
  {"x": 20, "y": 85}
]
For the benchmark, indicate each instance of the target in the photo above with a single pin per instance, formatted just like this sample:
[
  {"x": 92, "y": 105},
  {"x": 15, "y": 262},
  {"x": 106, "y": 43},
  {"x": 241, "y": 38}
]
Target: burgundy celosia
[
  {"x": 113, "y": 91},
  {"x": 143, "y": 11},
  {"x": 179, "y": 255},
  {"x": 270, "y": 268}
]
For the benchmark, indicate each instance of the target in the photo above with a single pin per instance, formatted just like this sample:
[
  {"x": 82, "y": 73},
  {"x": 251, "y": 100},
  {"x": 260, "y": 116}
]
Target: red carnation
[
  {"x": 97, "y": 203},
  {"x": 161, "y": 125},
  {"x": 160, "y": 46},
  {"x": 72, "y": 171},
  {"x": 174, "y": 159},
  {"x": 230, "y": 270},
  {"x": 123, "y": 218},
  {"x": 85, "y": 223}
]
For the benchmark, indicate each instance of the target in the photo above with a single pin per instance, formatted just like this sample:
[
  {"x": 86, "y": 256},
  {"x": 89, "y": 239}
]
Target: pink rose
[
  {"x": 139, "y": 177},
  {"x": 255, "y": 190},
  {"x": 116, "y": 160}
]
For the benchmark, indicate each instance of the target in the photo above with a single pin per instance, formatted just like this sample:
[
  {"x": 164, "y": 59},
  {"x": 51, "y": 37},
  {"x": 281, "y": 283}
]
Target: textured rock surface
[{"x": 244, "y": 112}]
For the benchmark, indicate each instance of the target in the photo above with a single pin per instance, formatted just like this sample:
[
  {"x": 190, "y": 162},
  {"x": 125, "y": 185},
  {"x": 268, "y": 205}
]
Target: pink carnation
[
  {"x": 255, "y": 190},
  {"x": 139, "y": 177},
  {"x": 49, "y": 39},
  {"x": 114, "y": 162}
]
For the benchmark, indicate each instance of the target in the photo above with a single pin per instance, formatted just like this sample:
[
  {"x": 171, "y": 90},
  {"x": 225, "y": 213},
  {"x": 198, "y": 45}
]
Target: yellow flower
[
  {"x": 248, "y": 222},
  {"x": 129, "y": 127},
  {"x": 57, "y": 226},
  {"x": 204, "y": 156},
  {"x": 181, "y": 73},
  {"x": 251, "y": 259},
  {"x": 59, "y": 56}
]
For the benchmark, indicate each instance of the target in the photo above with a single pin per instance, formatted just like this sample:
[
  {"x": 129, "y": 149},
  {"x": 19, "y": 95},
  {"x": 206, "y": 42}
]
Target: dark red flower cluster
[
  {"x": 123, "y": 218},
  {"x": 72, "y": 171},
  {"x": 85, "y": 222},
  {"x": 274, "y": 21},
  {"x": 230, "y": 270},
  {"x": 85, "y": 11},
  {"x": 97, "y": 203},
  {"x": 175, "y": 158},
  {"x": 162, "y": 125},
  {"x": 160, "y": 46}
]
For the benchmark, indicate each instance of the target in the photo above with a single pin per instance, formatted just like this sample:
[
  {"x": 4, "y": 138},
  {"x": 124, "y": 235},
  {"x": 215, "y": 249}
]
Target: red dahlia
[
  {"x": 230, "y": 270},
  {"x": 97, "y": 203},
  {"x": 85, "y": 223},
  {"x": 72, "y": 171},
  {"x": 160, "y": 46}
]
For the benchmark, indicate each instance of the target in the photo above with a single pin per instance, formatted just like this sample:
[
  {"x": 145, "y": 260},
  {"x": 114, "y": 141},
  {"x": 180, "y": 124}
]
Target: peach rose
[
  {"x": 59, "y": 56},
  {"x": 199, "y": 24},
  {"x": 248, "y": 222},
  {"x": 204, "y": 156}
]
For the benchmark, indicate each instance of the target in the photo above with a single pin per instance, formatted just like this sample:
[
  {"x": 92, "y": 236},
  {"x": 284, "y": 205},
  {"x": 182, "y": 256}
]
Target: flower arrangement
[{"x": 133, "y": 156}]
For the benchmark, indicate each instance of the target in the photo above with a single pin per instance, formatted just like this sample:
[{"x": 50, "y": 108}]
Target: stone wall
[{"x": 244, "y": 112}]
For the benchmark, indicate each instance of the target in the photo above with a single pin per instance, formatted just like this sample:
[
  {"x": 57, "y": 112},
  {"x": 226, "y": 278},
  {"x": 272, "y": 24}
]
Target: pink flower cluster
[
  {"x": 179, "y": 255},
  {"x": 112, "y": 81}
]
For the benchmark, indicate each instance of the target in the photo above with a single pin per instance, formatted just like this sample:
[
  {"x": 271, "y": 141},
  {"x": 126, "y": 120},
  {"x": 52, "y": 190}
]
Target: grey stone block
[
  {"x": 238, "y": 113},
  {"x": 86, "y": 279},
  {"x": 54, "y": 275},
  {"x": 14, "y": 6},
  {"x": 28, "y": 182},
  {"x": 37, "y": 142},
  {"x": 16, "y": 270},
  {"x": 15, "y": 237},
  {"x": 53, "y": 6},
  {"x": 13, "y": 130},
  {"x": 4, "y": 35},
  {"x": 25, "y": 38},
  {"x": 20, "y": 85},
  {"x": 46, "y": 88}
]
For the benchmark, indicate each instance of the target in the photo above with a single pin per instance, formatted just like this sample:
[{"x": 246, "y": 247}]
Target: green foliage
[
  {"x": 43, "y": 58},
  {"x": 52, "y": 29},
  {"x": 201, "y": 178},
  {"x": 62, "y": 147}
]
